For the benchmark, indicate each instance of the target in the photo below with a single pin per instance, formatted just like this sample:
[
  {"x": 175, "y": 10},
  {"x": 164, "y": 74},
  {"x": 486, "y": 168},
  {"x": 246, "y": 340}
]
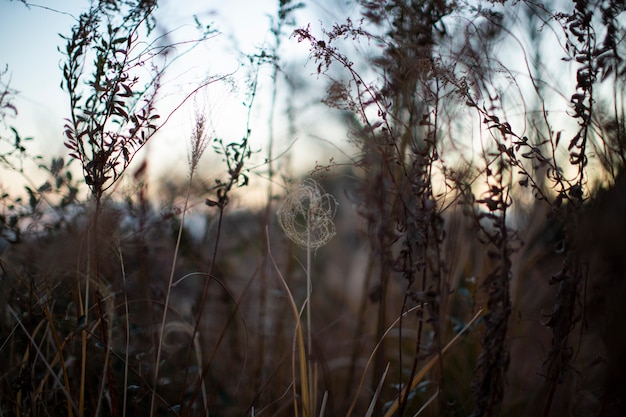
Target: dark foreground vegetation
[{"x": 466, "y": 259}]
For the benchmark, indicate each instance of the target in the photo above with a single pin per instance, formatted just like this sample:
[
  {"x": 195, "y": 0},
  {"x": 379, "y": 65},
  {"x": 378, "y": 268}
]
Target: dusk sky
[{"x": 33, "y": 62}]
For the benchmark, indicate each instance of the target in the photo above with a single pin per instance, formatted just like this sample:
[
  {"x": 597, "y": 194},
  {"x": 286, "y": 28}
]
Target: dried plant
[
  {"x": 115, "y": 117},
  {"x": 404, "y": 132},
  {"x": 199, "y": 141},
  {"x": 109, "y": 121},
  {"x": 465, "y": 274},
  {"x": 306, "y": 216}
]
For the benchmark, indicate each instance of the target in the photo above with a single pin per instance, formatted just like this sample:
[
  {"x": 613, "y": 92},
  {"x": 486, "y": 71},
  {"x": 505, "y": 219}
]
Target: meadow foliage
[{"x": 464, "y": 259}]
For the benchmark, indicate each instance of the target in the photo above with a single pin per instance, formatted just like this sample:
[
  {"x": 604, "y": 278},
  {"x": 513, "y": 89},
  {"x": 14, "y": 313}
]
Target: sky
[
  {"x": 31, "y": 39},
  {"x": 33, "y": 62}
]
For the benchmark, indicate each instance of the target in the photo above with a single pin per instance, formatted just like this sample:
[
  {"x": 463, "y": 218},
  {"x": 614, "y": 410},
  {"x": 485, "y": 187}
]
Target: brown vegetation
[{"x": 467, "y": 260}]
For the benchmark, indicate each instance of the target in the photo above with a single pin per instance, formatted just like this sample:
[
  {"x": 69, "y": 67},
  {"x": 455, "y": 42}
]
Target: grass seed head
[{"x": 307, "y": 215}]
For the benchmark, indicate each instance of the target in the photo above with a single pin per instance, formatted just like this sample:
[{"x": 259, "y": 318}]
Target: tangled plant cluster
[{"x": 307, "y": 215}]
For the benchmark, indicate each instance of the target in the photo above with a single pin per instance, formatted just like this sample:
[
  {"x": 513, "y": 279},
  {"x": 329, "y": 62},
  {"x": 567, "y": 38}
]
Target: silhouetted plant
[
  {"x": 460, "y": 151},
  {"x": 7, "y": 94},
  {"x": 306, "y": 216},
  {"x": 112, "y": 119}
]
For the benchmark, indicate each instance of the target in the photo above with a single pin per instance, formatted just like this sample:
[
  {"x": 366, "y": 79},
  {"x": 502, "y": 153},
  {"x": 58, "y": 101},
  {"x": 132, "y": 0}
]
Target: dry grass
[{"x": 463, "y": 263}]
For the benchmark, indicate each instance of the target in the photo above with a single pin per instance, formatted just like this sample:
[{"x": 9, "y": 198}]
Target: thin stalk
[
  {"x": 51, "y": 371},
  {"x": 84, "y": 311},
  {"x": 428, "y": 365},
  {"x": 308, "y": 313},
  {"x": 106, "y": 374},
  {"x": 126, "y": 331},
  {"x": 59, "y": 346},
  {"x": 260, "y": 374},
  {"x": 203, "y": 300},
  {"x": 308, "y": 202},
  {"x": 167, "y": 297},
  {"x": 92, "y": 271},
  {"x": 359, "y": 331},
  {"x": 298, "y": 340},
  {"x": 371, "y": 359},
  {"x": 205, "y": 369},
  {"x": 83, "y": 361}
]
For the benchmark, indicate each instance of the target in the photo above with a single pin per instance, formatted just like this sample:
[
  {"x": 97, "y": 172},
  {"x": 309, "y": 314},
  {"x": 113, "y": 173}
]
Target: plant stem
[
  {"x": 167, "y": 296},
  {"x": 308, "y": 312}
]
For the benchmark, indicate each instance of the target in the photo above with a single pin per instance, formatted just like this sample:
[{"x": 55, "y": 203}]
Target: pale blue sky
[{"x": 29, "y": 48}]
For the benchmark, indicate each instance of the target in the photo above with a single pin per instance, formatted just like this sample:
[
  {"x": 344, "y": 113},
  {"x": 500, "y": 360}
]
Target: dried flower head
[
  {"x": 199, "y": 141},
  {"x": 307, "y": 215}
]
